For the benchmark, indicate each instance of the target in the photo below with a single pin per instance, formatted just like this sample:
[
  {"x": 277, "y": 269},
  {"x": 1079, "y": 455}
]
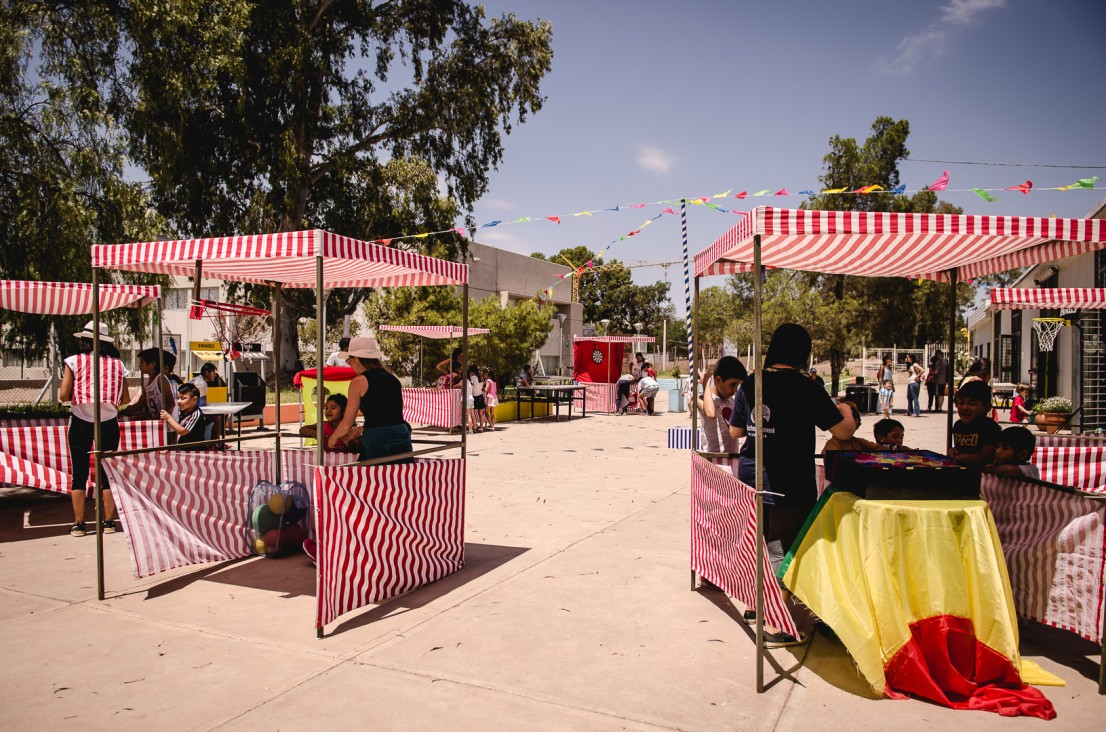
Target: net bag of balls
[{"x": 277, "y": 518}]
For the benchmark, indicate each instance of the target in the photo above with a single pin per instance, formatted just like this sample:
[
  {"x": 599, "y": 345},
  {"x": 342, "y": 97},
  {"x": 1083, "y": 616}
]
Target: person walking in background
[
  {"x": 931, "y": 385},
  {"x": 78, "y": 387},
  {"x": 335, "y": 359},
  {"x": 941, "y": 376},
  {"x": 913, "y": 387},
  {"x": 816, "y": 378}
]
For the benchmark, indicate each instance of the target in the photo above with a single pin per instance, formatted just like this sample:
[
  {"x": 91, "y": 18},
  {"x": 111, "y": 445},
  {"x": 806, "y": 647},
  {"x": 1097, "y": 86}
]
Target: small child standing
[
  {"x": 491, "y": 398},
  {"x": 190, "y": 423},
  {"x": 1015, "y": 448},
  {"x": 478, "y": 404},
  {"x": 887, "y": 398},
  {"x": 1018, "y": 412},
  {"x": 975, "y": 435}
]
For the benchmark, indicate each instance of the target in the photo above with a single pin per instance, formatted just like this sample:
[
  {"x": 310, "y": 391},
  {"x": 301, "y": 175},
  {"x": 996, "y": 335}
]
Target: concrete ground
[{"x": 572, "y": 612}]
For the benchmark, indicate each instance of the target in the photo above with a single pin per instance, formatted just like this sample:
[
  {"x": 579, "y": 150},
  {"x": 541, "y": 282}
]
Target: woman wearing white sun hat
[
  {"x": 376, "y": 393},
  {"x": 77, "y": 387}
]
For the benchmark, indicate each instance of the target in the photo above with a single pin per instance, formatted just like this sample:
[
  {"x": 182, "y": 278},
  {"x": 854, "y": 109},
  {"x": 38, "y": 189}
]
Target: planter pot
[
  {"x": 1051, "y": 421},
  {"x": 288, "y": 413}
]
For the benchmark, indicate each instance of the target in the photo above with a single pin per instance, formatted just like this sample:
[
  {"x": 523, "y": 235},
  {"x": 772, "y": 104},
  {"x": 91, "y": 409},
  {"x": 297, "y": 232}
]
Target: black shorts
[
  {"x": 478, "y": 402},
  {"x": 941, "y": 389}
]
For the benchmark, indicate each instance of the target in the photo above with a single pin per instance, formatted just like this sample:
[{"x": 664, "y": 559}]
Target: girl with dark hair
[{"x": 78, "y": 387}]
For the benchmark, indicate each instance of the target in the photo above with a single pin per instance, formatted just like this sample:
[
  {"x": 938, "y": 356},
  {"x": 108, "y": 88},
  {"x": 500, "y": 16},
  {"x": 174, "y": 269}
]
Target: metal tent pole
[
  {"x": 758, "y": 415},
  {"x": 276, "y": 377},
  {"x": 96, "y": 434},
  {"x": 320, "y": 390},
  {"x": 951, "y": 356},
  {"x": 464, "y": 366},
  {"x": 694, "y": 391}
]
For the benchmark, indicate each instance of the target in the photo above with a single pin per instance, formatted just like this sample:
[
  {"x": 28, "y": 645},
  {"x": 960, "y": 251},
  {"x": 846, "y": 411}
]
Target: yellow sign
[{"x": 205, "y": 346}]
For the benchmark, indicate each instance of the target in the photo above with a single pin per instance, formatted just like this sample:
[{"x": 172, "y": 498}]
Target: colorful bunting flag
[
  {"x": 835, "y": 190},
  {"x": 554, "y": 219},
  {"x": 869, "y": 189},
  {"x": 1025, "y": 188},
  {"x": 899, "y": 189},
  {"x": 1087, "y": 183},
  {"x": 941, "y": 183},
  {"x": 806, "y": 192},
  {"x": 740, "y": 195},
  {"x": 984, "y": 195},
  {"x": 582, "y": 213},
  {"x": 781, "y": 192},
  {"x": 490, "y": 224},
  {"x": 765, "y": 192}
]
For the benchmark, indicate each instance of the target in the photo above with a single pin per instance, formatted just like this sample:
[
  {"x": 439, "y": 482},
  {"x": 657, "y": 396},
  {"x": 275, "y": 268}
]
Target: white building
[{"x": 1076, "y": 367}]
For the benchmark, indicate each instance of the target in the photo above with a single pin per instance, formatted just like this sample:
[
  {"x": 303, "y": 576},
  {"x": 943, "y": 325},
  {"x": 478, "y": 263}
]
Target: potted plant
[{"x": 1052, "y": 413}]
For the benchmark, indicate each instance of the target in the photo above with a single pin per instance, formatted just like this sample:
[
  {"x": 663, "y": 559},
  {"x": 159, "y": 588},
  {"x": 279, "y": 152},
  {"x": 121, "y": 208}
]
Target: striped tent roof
[
  {"x": 617, "y": 339},
  {"x": 1025, "y": 298},
  {"x": 287, "y": 258},
  {"x": 71, "y": 298},
  {"x": 433, "y": 331},
  {"x": 880, "y": 244}
]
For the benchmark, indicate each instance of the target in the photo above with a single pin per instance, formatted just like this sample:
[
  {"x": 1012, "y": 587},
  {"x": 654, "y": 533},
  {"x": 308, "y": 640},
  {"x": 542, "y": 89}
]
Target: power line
[{"x": 1005, "y": 165}]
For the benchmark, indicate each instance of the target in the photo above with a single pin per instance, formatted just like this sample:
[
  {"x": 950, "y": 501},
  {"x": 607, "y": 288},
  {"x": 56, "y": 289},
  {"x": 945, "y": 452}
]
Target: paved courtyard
[{"x": 572, "y": 612}]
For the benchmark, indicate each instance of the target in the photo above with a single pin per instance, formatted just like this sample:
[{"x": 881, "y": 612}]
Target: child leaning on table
[
  {"x": 854, "y": 443},
  {"x": 890, "y": 433},
  {"x": 1015, "y": 448},
  {"x": 190, "y": 422},
  {"x": 975, "y": 435},
  {"x": 887, "y": 398}
]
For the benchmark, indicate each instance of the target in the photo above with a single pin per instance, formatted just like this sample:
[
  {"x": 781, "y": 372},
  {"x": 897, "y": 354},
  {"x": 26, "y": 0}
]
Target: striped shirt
[{"x": 112, "y": 373}]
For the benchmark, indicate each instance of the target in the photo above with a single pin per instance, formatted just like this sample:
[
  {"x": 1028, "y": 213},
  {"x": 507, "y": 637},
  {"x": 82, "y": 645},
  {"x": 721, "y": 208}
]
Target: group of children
[
  {"x": 644, "y": 378},
  {"x": 978, "y": 440},
  {"x": 481, "y": 399}
]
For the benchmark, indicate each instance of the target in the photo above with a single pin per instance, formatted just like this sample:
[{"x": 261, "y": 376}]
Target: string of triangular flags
[
  {"x": 940, "y": 185},
  {"x": 546, "y": 294}
]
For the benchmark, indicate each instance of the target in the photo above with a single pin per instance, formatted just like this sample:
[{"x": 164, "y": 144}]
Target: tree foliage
[
  {"x": 62, "y": 182},
  {"x": 517, "y": 331},
  {"x": 607, "y": 291},
  {"x": 284, "y": 115}
]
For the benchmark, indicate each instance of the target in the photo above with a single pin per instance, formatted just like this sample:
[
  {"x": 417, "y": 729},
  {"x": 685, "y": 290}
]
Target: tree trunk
[{"x": 289, "y": 341}]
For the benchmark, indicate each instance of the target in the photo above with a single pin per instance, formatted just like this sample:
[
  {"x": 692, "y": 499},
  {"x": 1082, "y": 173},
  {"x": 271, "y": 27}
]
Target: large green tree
[
  {"x": 62, "y": 182},
  {"x": 607, "y": 291},
  {"x": 289, "y": 114},
  {"x": 880, "y": 311}
]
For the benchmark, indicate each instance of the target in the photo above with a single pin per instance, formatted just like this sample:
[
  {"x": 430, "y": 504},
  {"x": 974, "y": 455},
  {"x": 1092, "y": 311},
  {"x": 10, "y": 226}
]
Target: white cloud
[
  {"x": 932, "y": 41},
  {"x": 655, "y": 160},
  {"x": 504, "y": 240},
  {"x": 497, "y": 204}
]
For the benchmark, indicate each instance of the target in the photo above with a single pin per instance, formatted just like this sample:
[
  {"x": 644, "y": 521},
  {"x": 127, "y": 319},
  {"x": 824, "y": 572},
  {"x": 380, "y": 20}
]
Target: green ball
[{"x": 264, "y": 520}]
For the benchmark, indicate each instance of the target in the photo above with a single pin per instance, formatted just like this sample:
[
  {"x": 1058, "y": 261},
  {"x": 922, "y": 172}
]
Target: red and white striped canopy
[
  {"x": 617, "y": 339},
  {"x": 433, "y": 331},
  {"x": 1026, "y": 298},
  {"x": 880, "y": 244},
  {"x": 71, "y": 298},
  {"x": 287, "y": 258}
]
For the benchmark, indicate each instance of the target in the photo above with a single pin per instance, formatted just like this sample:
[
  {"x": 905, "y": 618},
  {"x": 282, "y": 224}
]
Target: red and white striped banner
[
  {"x": 1026, "y": 298},
  {"x": 20, "y": 472},
  {"x": 882, "y": 244},
  {"x": 1046, "y": 440},
  {"x": 71, "y": 298},
  {"x": 49, "y": 446},
  {"x": 723, "y": 540},
  {"x": 433, "y": 331},
  {"x": 181, "y": 509},
  {"x": 288, "y": 257},
  {"x": 385, "y": 530},
  {"x": 1081, "y": 467},
  {"x": 438, "y": 407},
  {"x": 600, "y": 397},
  {"x": 1053, "y": 544}
]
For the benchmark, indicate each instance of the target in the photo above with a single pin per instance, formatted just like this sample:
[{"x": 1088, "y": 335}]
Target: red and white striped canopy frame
[
  {"x": 433, "y": 331},
  {"x": 617, "y": 339},
  {"x": 287, "y": 258},
  {"x": 880, "y": 244},
  {"x": 1069, "y": 298},
  {"x": 71, "y": 298}
]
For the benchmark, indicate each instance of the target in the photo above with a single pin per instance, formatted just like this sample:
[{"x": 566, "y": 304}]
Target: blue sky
[{"x": 654, "y": 100}]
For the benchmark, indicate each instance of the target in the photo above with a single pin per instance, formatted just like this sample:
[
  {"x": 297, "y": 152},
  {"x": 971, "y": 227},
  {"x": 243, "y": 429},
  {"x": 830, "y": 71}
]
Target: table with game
[
  {"x": 552, "y": 394},
  {"x": 902, "y": 559}
]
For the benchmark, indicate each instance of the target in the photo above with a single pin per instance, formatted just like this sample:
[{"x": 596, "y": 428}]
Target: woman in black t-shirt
[{"x": 376, "y": 393}]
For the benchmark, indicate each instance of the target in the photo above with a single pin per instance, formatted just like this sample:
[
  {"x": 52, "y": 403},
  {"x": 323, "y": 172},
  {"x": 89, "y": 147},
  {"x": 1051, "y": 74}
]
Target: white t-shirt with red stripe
[{"x": 112, "y": 373}]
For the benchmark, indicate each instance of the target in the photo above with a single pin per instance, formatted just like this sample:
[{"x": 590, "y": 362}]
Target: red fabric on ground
[{"x": 945, "y": 663}]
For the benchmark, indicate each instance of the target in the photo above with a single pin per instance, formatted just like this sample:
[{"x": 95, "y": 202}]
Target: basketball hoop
[{"x": 1046, "y": 329}]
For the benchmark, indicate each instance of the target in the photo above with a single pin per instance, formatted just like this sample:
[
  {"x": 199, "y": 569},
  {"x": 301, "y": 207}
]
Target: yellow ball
[
  {"x": 277, "y": 504},
  {"x": 260, "y": 547}
]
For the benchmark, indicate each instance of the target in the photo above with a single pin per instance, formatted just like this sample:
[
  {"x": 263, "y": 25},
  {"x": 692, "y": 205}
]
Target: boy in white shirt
[{"x": 716, "y": 404}]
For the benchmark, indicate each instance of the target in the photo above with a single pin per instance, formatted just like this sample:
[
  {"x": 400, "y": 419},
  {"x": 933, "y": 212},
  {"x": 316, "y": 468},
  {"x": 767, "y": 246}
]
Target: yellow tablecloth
[{"x": 890, "y": 576}]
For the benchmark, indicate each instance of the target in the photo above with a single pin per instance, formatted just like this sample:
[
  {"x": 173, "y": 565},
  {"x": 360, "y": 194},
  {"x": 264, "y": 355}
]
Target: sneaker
[
  {"x": 78, "y": 529},
  {"x": 784, "y": 640},
  {"x": 749, "y": 616},
  {"x": 108, "y": 527}
]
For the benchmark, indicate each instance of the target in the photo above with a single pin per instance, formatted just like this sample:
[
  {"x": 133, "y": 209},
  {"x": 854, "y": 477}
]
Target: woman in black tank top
[{"x": 375, "y": 392}]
